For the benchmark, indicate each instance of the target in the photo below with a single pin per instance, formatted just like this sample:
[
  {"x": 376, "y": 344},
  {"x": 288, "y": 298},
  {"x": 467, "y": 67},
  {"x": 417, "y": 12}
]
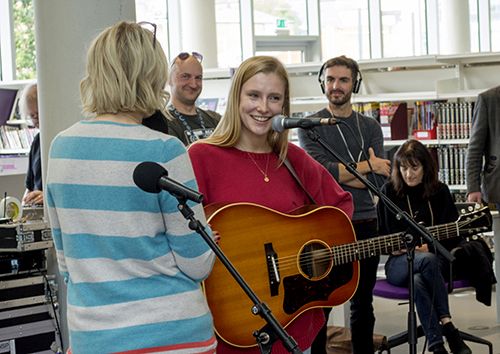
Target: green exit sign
[{"x": 281, "y": 23}]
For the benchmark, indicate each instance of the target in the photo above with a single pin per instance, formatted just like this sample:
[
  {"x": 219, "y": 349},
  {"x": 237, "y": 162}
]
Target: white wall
[{"x": 63, "y": 32}]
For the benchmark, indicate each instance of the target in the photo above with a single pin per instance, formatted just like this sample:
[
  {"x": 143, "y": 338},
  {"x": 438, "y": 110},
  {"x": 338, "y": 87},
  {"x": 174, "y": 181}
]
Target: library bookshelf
[
  {"x": 15, "y": 134},
  {"x": 454, "y": 81},
  {"x": 451, "y": 79}
]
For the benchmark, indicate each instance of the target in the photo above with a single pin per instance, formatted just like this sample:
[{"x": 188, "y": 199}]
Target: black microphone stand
[
  {"x": 410, "y": 240},
  {"x": 272, "y": 331}
]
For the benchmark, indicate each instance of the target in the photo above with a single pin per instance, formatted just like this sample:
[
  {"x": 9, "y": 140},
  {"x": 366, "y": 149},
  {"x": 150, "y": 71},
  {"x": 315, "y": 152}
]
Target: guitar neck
[{"x": 356, "y": 251}]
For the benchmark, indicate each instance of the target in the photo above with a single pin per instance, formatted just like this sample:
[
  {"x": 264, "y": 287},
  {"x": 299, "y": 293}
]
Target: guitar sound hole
[{"x": 315, "y": 261}]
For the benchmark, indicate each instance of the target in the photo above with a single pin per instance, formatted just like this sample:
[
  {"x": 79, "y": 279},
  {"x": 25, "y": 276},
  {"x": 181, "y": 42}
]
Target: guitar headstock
[{"x": 475, "y": 222}]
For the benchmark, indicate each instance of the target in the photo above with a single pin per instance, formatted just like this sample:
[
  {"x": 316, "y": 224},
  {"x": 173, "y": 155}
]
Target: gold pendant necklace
[{"x": 266, "y": 179}]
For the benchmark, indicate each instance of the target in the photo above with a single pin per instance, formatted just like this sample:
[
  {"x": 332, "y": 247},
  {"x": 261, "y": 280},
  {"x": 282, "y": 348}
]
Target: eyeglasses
[
  {"x": 154, "y": 29},
  {"x": 185, "y": 55},
  {"x": 31, "y": 118}
]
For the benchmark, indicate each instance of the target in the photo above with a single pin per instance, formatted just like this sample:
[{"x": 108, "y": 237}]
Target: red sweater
[{"x": 229, "y": 175}]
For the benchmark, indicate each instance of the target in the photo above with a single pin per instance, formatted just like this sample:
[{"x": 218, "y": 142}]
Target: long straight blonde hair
[{"x": 228, "y": 131}]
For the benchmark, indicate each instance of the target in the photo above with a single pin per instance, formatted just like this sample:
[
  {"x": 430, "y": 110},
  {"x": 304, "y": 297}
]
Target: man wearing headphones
[{"x": 356, "y": 139}]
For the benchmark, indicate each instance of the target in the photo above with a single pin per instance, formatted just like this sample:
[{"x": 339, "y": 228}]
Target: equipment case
[
  {"x": 29, "y": 330},
  {"x": 27, "y": 236},
  {"x": 27, "y": 291}
]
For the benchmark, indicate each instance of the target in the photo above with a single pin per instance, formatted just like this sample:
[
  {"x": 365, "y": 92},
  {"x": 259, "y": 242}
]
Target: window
[
  {"x": 227, "y": 18},
  {"x": 474, "y": 26},
  {"x": 495, "y": 25},
  {"x": 274, "y": 16},
  {"x": 403, "y": 28},
  {"x": 24, "y": 32},
  {"x": 154, "y": 11},
  {"x": 344, "y": 29}
]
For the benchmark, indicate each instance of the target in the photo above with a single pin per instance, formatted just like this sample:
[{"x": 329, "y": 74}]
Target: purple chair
[{"x": 384, "y": 289}]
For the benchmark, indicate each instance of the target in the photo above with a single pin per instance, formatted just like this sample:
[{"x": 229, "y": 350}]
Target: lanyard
[
  {"x": 202, "y": 123},
  {"x": 345, "y": 142}
]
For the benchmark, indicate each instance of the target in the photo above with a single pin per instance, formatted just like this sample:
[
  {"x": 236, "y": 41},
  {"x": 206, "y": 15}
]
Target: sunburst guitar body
[
  {"x": 294, "y": 262},
  {"x": 273, "y": 253}
]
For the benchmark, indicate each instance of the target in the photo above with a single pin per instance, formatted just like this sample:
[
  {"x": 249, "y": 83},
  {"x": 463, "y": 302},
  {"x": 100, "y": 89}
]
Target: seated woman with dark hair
[{"x": 414, "y": 187}]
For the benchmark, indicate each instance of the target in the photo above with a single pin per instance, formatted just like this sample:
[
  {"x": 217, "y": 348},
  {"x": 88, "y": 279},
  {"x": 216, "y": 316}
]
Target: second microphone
[{"x": 281, "y": 123}]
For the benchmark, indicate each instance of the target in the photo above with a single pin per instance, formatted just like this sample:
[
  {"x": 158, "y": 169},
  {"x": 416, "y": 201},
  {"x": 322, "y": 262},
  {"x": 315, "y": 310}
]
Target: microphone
[
  {"x": 280, "y": 122},
  {"x": 153, "y": 178}
]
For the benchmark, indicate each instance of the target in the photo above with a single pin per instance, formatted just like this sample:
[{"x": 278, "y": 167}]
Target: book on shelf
[
  {"x": 369, "y": 109},
  {"x": 451, "y": 160},
  {"x": 13, "y": 138},
  {"x": 424, "y": 120},
  {"x": 460, "y": 197},
  {"x": 454, "y": 120}
]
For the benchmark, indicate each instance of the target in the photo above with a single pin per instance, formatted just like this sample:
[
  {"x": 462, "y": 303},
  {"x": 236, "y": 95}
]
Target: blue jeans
[
  {"x": 427, "y": 278},
  {"x": 362, "y": 316}
]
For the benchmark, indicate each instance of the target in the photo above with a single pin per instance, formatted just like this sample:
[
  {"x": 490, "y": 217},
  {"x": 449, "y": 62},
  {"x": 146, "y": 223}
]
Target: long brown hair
[
  {"x": 228, "y": 131},
  {"x": 413, "y": 153}
]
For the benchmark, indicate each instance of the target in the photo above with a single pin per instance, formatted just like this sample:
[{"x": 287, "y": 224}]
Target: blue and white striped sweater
[{"x": 131, "y": 263}]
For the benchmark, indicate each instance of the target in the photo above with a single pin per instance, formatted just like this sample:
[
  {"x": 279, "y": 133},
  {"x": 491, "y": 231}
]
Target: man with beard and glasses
[
  {"x": 184, "y": 120},
  {"x": 339, "y": 78}
]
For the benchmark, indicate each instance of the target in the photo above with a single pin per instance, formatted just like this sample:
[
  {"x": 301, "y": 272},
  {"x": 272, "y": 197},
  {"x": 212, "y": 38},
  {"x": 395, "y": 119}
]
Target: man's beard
[{"x": 338, "y": 101}]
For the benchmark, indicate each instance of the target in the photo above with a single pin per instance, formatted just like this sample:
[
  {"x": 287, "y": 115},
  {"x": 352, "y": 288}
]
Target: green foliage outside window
[{"x": 24, "y": 31}]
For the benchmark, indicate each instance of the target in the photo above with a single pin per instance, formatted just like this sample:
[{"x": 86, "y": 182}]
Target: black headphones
[{"x": 357, "y": 83}]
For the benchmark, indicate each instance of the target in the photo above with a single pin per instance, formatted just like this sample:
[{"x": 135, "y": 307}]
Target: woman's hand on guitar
[{"x": 215, "y": 235}]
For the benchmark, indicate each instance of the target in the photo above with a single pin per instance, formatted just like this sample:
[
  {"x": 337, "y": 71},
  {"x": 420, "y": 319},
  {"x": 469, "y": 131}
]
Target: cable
[{"x": 58, "y": 327}]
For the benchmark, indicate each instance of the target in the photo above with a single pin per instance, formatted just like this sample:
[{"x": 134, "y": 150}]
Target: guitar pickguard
[{"x": 300, "y": 291}]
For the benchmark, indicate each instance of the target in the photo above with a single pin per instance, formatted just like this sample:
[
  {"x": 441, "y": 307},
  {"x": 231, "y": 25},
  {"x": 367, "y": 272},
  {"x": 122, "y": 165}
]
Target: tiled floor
[{"x": 468, "y": 315}]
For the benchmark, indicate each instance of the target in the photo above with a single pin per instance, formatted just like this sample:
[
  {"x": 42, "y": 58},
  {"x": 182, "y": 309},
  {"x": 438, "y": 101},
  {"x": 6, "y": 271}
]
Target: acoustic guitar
[{"x": 295, "y": 262}]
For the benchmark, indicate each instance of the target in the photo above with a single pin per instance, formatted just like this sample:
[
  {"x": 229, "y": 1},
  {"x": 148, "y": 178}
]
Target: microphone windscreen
[
  {"x": 278, "y": 123},
  {"x": 147, "y": 174}
]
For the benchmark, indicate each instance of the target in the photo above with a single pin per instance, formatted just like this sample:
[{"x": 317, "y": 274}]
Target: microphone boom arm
[{"x": 400, "y": 215}]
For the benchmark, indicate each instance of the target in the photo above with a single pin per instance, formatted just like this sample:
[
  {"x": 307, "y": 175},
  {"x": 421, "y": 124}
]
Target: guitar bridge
[{"x": 272, "y": 269}]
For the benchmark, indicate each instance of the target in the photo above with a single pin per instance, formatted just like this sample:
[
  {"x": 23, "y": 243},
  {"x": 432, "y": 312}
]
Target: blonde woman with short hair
[{"x": 132, "y": 265}]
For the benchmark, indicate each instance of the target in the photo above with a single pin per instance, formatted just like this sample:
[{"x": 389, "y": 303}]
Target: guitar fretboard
[{"x": 356, "y": 251}]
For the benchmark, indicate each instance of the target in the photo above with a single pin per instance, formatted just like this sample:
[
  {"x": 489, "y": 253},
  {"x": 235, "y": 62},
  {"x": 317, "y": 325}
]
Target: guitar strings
[{"x": 342, "y": 256}]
